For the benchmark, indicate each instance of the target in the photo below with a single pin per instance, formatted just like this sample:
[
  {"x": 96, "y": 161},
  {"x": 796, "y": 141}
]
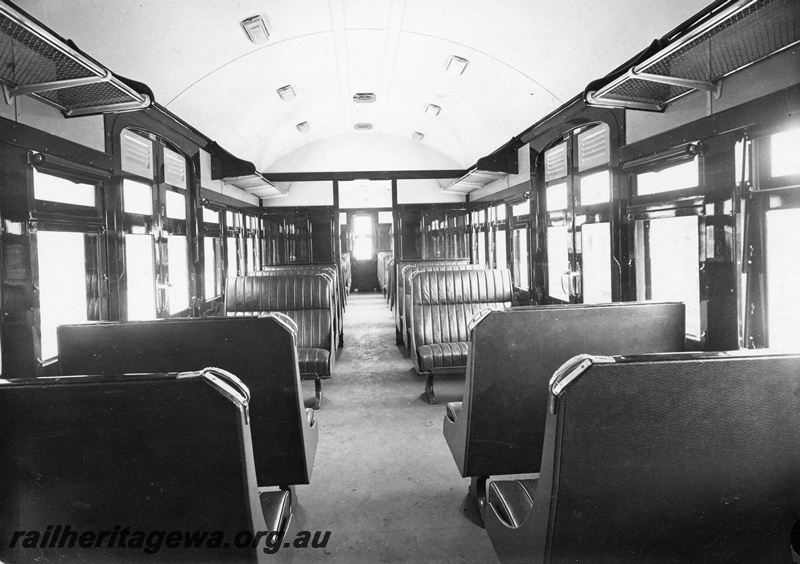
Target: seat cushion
[
  {"x": 314, "y": 361},
  {"x": 512, "y": 499},
  {"x": 442, "y": 355},
  {"x": 453, "y": 410}
]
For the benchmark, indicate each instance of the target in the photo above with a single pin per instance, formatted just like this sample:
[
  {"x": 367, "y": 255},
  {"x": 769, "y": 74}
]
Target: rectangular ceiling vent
[
  {"x": 362, "y": 126},
  {"x": 364, "y": 98}
]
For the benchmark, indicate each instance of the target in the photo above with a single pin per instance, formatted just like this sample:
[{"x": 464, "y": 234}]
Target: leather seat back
[
  {"x": 400, "y": 280},
  {"x": 670, "y": 458},
  {"x": 513, "y": 354},
  {"x": 261, "y": 351},
  {"x": 443, "y": 302},
  {"x": 306, "y": 298},
  {"x": 150, "y": 452}
]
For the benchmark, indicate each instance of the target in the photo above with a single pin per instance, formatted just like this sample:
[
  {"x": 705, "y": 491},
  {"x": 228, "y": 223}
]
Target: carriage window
[
  {"x": 520, "y": 259},
  {"x": 139, "y": 265},
  {"x": 596, "y": 273},
  {"x": 558, "y": 239},
  {"x": 595, "y": 188},
  {"x": 521, "y": 209},
  {"x": 232, "y": 256},
  {"x": 176, "y": 205},
  {"x": 667, "y": 259},
  {"x": 137, "y": 197},
  {"x": 54, "y": 189},
  {"x": 783, "y": 273},
  {"x": 210, "y": 216},
  {"x": 785, "y": 153},
  {"x": 678, "y": 177},
  {"x": 62, "y": 284},
  {"x": 178, "y": 266},
  {"x": 212, "y": 251},
  {"x": 557, "y": 196}
]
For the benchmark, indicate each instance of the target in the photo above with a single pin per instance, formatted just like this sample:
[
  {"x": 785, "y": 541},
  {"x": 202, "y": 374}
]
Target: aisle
[{"x": 384, "y": 482}]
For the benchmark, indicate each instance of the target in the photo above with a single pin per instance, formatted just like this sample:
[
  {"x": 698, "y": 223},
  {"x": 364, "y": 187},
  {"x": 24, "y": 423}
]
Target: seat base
[{"x": 477, "y": 492}]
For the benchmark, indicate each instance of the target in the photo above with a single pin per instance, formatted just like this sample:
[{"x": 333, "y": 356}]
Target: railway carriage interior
[{"x": 400, "y": 281}]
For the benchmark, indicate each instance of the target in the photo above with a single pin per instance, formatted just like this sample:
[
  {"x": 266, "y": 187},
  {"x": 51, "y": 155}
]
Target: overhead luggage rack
[
  {"x": 729, "y": 37},
  {"x": 34, "y": 61}
]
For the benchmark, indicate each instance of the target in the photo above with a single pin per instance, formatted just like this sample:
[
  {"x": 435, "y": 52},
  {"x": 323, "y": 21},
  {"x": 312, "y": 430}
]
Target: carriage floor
[{"x": 384, "y": 482}]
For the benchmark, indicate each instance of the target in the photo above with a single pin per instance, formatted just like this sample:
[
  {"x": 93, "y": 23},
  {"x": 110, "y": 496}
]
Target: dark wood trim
[
  {"x": 763, "y": 112},
  {"x": 29, "y": 138},
  {"x": 363, "y": 175}
]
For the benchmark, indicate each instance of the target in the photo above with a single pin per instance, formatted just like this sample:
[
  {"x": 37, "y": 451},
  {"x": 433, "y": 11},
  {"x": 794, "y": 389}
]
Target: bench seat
[{"x": 438, "y": 356}]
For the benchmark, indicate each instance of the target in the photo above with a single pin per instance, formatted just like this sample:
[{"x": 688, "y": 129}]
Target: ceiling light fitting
[
  {"x": 432, "y": 110},
  {"x": 303, "y": 127},
  {"x": 417, "y": 136},
  {"x": 457, "y": 64},
  {"x": 256, "y": 30},
  {"x": 362, "y": 126},
  {"x": 286, "y": 93},
  {"x": 364, "y": 98}
]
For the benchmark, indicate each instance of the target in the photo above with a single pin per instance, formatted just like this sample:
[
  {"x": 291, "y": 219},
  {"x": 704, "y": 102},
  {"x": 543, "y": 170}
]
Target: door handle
[
  {"x": 576, "y": 284},
  {"x": 565, "y": 282}
]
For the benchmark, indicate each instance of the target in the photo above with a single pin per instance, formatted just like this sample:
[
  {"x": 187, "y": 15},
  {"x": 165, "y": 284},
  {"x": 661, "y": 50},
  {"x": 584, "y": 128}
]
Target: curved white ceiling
[{"x": 526, "y": 57}]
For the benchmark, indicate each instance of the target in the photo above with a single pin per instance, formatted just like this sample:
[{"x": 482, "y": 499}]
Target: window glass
[
  {"x": 230, "y": 219},
  {"x": 233, "y": 259},
  {"x": 595, "y": 188},
  {"x": 362, "y": 237},
  {"x": 140, "y": 269},
  {"x": 177, "y": 251},
  {"x": 211, "y": 253},
  {"x": 596, "y": 262},
  {"x": 54, "y": 189},
  {"x": 678, "y": 177},
  {"x": 210, "y": 216},
  {"x": 667, "y": 259},
  {"x": 520, "y": 249},
  {"x": 62, "y": 284},
  {"x": 557, "y": 260},
  {"x": 557, "y": 196},
  {"x": 384, "y": 217},
  {"x": 783, "y": 279},
  {"x": 250, "y": 255},
  {"x": 500, "y": 259},
  {"x": 176, "y": 205},
  {"x": 500, "y": 212},
  {"x": 785, "y": 153},
  {"x": 137, "y": 197},
  {"x": 482, "y": 247},
  {"x": 523, "y": 208}
]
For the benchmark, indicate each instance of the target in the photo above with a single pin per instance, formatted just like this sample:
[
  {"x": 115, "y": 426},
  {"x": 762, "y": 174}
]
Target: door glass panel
[
  {"x": 595, "y": 188},
  {"x": 783, "y": 279},
  {"x": 140, "y": 269},
  {"x": 362, "y": 237},
  {"x": 178, "y": 273},
  {"x": 667, "y": 259},
  {"x": 520, "y": 244},
  {"x": 596, "y": 262},
  {"x": 137, "y": 197},
  {"x": 482, "y": 247},
  {"x": 557, "y": 260},
  {"x": 62, "y": 284}
]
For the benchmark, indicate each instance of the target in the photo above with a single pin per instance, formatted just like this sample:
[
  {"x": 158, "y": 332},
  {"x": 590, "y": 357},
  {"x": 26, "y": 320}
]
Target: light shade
[
  {"x": 417, "y": 136},
  {"x": 256, "y": 30},
  {"x": 432, "y": 110},
  {"x": 457, "y": 64},
  {"x": 303, "y": 127},
  {"x": 286, "y": 93}
]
